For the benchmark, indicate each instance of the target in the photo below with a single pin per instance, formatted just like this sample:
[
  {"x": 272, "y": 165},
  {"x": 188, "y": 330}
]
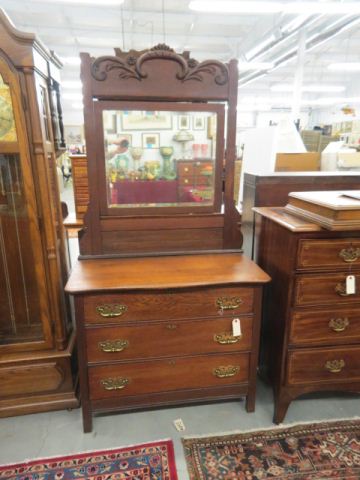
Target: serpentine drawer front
[
  {"x": 167, "y": 375},
  {"x": 180, "y": 337},
  {"x": 116, "y": 308},
  {"x": 148, "y": 346}
]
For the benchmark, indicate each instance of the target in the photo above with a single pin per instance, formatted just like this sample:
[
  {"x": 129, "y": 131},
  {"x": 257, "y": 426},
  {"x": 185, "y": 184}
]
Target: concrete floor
[{"x": 60, "y": 433}]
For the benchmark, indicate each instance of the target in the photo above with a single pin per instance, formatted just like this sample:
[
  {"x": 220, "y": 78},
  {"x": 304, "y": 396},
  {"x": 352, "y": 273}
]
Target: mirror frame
[{"x": 115, "y": 211}]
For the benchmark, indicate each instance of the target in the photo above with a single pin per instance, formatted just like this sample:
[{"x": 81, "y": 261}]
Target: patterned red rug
[
  {"x": 151, "y": 461},
  {"x": 302, "y": 452}
]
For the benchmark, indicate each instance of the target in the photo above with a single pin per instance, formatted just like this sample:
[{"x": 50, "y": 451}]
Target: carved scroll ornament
[{"x": 130, "y": 65}]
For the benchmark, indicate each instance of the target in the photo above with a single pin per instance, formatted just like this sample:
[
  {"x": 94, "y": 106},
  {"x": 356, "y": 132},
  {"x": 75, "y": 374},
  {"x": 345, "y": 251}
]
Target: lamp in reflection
[{"x": 183, "y": 136}]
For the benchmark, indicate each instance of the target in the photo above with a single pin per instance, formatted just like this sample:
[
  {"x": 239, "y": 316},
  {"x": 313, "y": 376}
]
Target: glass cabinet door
[{"x": 23, "y": 307}]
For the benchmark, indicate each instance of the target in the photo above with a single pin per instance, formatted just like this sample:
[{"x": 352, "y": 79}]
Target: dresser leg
[
  {"x": 250, "y": 401},
  {"x": 87, "y": 417},
  {"x": 282, "y": 402}
]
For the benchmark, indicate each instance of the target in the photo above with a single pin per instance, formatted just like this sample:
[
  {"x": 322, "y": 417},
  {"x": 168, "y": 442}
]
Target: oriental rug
[
  {"x": 151, "y": 461},
  {"x": 315, "y": 451}
]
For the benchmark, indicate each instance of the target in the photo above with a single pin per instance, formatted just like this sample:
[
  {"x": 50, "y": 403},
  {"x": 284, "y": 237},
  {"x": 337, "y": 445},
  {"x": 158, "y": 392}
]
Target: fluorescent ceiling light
[
  {"x": 71, "y": 84},
  {"x": 307, "y": 88},
  {"x": 258, "y": 8},
  {"x": 243, "y": 66},
  {"x": 70, "y": 60},
  {"x": 72, "y": 96},
  {"x": 91, "y": 2},
  {"x": 345, "y": 67},
  {"x": 260, "y": 46},
  {"x": 333, "y": 100}
]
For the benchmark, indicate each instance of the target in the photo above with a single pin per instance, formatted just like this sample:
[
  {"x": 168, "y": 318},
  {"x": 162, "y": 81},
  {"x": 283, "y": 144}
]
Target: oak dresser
[
  {"x": 159, "y": 330},
  {"x": 311, "y": 331}
]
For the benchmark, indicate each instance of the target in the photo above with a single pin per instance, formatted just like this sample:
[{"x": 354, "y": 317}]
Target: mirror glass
[{"x": 159, "y": 158}]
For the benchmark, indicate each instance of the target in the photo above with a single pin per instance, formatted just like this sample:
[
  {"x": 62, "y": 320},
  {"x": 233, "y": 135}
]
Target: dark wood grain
[{"x": 301, "y": 306}]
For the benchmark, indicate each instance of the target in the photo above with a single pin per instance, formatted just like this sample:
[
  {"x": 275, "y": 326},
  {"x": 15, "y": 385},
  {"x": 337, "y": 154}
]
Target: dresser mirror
[
  {"x": 166, "y": 158},
  {"x": 160, "y": 161},
  {"x": 162, "y": 158}
]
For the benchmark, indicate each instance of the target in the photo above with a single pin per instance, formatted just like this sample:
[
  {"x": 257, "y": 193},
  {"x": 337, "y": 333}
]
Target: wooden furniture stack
[
  {"x": 79, "y": 173},
  {"x": 160, "y": 288},
  {"x": 36, "y": 334},
  {"x": 311, "y": 330}
]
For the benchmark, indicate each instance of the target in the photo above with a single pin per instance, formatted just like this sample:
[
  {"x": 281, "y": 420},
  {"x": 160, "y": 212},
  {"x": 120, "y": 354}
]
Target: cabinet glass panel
[
  {"x": 20, "y": 319},
  {"x": 159, "y": 158}
]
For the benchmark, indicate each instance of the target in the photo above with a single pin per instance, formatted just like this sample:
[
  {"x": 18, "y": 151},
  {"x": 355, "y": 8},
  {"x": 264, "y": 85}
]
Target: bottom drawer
[
  {"x": 166, "y": 375},
  {"x": 329, "y": 365}
]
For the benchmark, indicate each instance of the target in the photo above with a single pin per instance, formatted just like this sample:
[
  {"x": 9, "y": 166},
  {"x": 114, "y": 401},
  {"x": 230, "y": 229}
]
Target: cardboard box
[{"x": 297, "y": 162}]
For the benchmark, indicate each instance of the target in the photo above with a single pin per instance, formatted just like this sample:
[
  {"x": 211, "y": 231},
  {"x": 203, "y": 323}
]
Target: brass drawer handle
[
  {"x": 335, "y": 366},
  {"x": 228, "y": 303},
  {"x": 350, "y": 254},
  {"x": 112, "y": 346},
  {"x": 226, "y": 338},
  {"x": 114, "y": 383},
  {"x": 339, "y": 324},
  {"x": 340, "y": 289},
  {"x": 110, "y": 310},
  {"x": 224, "y": 372}
]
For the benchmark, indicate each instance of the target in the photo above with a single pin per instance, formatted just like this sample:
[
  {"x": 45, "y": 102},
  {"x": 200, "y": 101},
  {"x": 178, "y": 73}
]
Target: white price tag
[
  {"x": 350, "y": 284},
  {"x": 236, "y": 327},
  {"x": 179, "y": 425}
]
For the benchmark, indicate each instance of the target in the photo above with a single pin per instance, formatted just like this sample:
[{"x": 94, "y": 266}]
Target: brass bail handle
[
  {"x": 335, "y": 366},
  {"x": 228, "y": 303},
  {"x": 350, "y": 254},
  {"x": 111, "y": 310},
  {"x": 339, "y": 324}
]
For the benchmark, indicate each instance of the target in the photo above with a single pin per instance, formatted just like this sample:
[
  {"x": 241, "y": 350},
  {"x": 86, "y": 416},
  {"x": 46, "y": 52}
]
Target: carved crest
[{"x": 130, "y": 65}]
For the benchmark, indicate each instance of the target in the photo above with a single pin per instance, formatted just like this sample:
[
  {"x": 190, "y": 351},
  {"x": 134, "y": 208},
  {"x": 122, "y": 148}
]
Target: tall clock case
[{"x": 36, "y": 339}]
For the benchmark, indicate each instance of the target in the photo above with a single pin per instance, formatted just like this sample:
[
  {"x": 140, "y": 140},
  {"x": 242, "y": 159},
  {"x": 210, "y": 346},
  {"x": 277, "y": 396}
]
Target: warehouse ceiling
[{"x": 272, "y": 38}]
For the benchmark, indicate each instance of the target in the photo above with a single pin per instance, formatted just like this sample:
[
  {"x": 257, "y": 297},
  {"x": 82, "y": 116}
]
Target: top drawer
[
  {"x": 329, "y": 253},
  {"x": 160, "y": 305}
]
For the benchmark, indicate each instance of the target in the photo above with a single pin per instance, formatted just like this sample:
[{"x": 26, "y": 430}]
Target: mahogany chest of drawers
[
  {"x": 158, "y": 330},
  {"x": 311, "y": 326}
]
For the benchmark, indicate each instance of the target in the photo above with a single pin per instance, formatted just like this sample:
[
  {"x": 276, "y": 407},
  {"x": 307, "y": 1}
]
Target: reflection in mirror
[{"x": 159, "y": 158}]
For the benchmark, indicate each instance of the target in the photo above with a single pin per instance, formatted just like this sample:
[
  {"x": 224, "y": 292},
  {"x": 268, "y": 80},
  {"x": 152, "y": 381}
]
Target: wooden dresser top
[{"x": 163, "y": 272}]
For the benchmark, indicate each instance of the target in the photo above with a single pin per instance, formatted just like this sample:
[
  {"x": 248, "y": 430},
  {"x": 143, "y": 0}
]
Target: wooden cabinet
[
  {"x": 36, "y": 334},
  {"x": 195, "y": 178},
  {"x": 160, "y": 339},
  {"x": 161, "y": 280},
  {"x": 79, "y": 172},
  {"x": 311, "y": 330}
]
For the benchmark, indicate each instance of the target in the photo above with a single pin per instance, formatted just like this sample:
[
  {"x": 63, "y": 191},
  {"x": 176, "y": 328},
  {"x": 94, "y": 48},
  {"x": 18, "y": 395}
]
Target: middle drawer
[{"x": 166, "y": 339}]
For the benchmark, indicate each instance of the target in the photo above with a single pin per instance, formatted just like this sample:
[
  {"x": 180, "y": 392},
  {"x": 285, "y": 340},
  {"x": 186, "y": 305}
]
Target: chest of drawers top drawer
[
  {"x": 167, "y": 305},
  {"x": 328, "y": 254}
]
